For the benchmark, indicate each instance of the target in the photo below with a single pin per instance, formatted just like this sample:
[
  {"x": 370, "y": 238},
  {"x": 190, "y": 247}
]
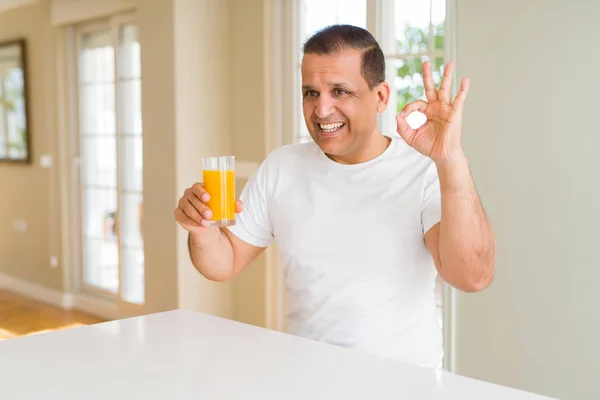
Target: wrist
[
  {"x": 454, "y": 173},
  {"x": 451, "y": 160}
]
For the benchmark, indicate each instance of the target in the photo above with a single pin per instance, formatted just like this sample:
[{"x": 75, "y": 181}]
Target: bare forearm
[
  {"x": 467, "y": 244},
  {"x": 213, "y": 258}
]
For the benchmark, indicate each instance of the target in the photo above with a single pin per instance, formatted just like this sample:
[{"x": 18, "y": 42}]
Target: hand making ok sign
[{"x": 439, "y": 137}]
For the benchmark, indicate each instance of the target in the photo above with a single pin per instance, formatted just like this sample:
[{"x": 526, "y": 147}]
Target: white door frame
[{"x": 94, "y": 301}]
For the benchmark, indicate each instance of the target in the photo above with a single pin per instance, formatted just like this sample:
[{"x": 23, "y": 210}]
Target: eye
[
  {"x": 311, "y": 93},
  {"x": 340, "y": 92}
]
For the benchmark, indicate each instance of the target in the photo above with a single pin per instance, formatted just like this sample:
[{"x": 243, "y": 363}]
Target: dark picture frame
[{"x": 15, "y": 127}]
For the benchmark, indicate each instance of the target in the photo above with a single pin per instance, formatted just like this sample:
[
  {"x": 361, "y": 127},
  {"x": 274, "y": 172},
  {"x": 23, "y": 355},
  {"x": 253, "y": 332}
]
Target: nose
[{"x": 324, "y": 107}]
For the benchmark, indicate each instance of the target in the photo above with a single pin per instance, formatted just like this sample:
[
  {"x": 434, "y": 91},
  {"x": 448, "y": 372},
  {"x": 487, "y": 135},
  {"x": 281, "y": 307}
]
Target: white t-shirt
[{"x": 356, "y": 267}]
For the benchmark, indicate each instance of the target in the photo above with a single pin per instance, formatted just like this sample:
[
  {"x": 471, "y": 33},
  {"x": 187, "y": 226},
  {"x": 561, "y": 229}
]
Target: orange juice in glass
[{"x": 218, "y": 176}]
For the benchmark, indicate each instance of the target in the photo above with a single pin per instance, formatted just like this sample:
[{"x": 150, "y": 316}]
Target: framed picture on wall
[{"x": 15, "y": 143}]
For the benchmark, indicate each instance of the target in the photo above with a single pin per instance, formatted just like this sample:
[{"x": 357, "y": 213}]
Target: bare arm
[
  {"x": 463, "y": 244},
  {"x": 215, "y": 252},
  {"x": 222, "y": 258}
]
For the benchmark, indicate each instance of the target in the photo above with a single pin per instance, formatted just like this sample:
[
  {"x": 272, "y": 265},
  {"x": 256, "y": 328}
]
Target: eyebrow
[{"x": 330, "y": 84}]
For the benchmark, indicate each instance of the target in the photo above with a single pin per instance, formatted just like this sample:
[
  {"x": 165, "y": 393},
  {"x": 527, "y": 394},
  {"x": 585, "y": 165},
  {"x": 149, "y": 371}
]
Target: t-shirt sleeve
[
  {"x": 253, "y": 224},
  {"x": 431, "y": 201}
]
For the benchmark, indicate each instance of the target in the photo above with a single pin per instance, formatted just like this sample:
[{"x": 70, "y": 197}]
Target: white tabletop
[{"x": 187, "y": 355}]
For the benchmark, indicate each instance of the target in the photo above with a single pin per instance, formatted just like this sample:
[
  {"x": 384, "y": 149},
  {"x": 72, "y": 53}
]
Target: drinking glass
[{"x": 218, "y": 175}]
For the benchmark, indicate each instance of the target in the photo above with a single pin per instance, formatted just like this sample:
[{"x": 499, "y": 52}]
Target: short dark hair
[{"x": 336, "y": 38}]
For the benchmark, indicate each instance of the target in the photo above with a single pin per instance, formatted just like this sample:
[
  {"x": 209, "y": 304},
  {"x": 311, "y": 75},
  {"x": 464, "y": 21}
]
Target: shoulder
[
  {"x": 287, "y": 156},
  {"x": 410, "y": 159},
  {"x": 282, "y": 165},
  {"x": 292, "y": 150}
]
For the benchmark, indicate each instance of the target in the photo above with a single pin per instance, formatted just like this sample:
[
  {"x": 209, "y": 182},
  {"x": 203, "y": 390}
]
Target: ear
[{"x": 383, "y": 96}]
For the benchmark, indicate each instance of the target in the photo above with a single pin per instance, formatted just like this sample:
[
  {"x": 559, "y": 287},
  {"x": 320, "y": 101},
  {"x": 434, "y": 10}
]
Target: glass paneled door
[{"x": 110, "y": 160}]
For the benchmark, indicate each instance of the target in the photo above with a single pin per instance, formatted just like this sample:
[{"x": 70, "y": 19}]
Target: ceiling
[{"x": 8, "y": 4}]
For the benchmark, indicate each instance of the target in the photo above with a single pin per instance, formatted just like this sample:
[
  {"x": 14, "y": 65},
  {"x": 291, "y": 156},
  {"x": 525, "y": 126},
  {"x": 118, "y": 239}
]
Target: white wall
[{"x": 532, "y": 133}]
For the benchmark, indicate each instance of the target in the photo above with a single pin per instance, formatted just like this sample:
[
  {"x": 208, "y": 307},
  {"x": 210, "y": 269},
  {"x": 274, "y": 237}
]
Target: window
[
  {"x": 409, "y": 32},
  {"x": 110, "y": 143}
]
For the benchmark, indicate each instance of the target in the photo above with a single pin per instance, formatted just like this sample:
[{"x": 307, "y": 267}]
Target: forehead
[{"x": 342, "y": 66}]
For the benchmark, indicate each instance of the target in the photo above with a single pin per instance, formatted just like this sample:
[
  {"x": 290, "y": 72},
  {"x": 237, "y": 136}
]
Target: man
[{"x": 364, "y": 221}]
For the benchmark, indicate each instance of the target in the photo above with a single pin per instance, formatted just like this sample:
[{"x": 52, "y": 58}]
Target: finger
[
  {"x": 444, "y": 93},
  {"x": 190, "y": 212},
  {"x": 202, "y": 209},
  {"x": 199, "y": 191},
  {"x": 239, "y": 206},
  {"x": 404, "y": 130},
  {"x": 185, "y": 221},
  {"x": 461, "y": 96},
  {"x": 417, "y": 105},
  {"x": 430, "y": 92}
]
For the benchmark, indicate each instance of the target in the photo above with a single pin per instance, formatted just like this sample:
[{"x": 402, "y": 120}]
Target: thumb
[{"x": 404, "y": 130}]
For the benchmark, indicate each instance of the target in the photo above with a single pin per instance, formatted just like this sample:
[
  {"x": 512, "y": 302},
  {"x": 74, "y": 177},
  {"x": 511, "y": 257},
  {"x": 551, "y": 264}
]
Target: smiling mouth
[{"x": 328, "y": 129}]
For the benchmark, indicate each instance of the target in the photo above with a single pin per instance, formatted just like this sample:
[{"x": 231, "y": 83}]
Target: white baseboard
[
  {"x": 68, "y": 301},
  {"x": 34, "y": 291},
  {"x": 98, "y": 307}
]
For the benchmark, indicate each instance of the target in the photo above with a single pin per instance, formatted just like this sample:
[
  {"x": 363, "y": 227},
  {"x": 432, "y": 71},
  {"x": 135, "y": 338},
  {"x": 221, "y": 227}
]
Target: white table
[{"x": 188, "y": 355}]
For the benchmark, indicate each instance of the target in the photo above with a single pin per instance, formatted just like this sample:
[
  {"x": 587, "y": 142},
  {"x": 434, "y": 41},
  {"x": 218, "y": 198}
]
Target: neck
[{"x": 373, "y": 148}]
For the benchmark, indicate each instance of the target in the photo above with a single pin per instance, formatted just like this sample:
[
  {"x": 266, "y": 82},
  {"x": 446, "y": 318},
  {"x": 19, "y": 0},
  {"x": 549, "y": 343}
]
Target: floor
[{"x": 21, "y": 316}]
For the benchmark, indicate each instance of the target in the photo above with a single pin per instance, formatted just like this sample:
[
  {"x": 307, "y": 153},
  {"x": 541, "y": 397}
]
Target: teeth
[{"x": 331, "y": 127}]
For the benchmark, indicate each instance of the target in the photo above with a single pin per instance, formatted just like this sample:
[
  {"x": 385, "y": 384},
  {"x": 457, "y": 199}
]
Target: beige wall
[
  {"x": 30, "y": 192},
  {"x": 202, "y": 94},
  {"x": 248, "y": 128},
  {"x": 203, "y": 119},
  {"x": 532, "y": 134},
  {"x": 205, "y": 98},
  {"x": 156, "y": 22}
]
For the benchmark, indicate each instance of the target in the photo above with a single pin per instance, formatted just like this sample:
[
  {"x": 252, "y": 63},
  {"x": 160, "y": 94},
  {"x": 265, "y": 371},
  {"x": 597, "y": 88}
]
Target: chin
[
  {"x": 332, "y": 147},
  {"x": 330, "y": 144}
]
